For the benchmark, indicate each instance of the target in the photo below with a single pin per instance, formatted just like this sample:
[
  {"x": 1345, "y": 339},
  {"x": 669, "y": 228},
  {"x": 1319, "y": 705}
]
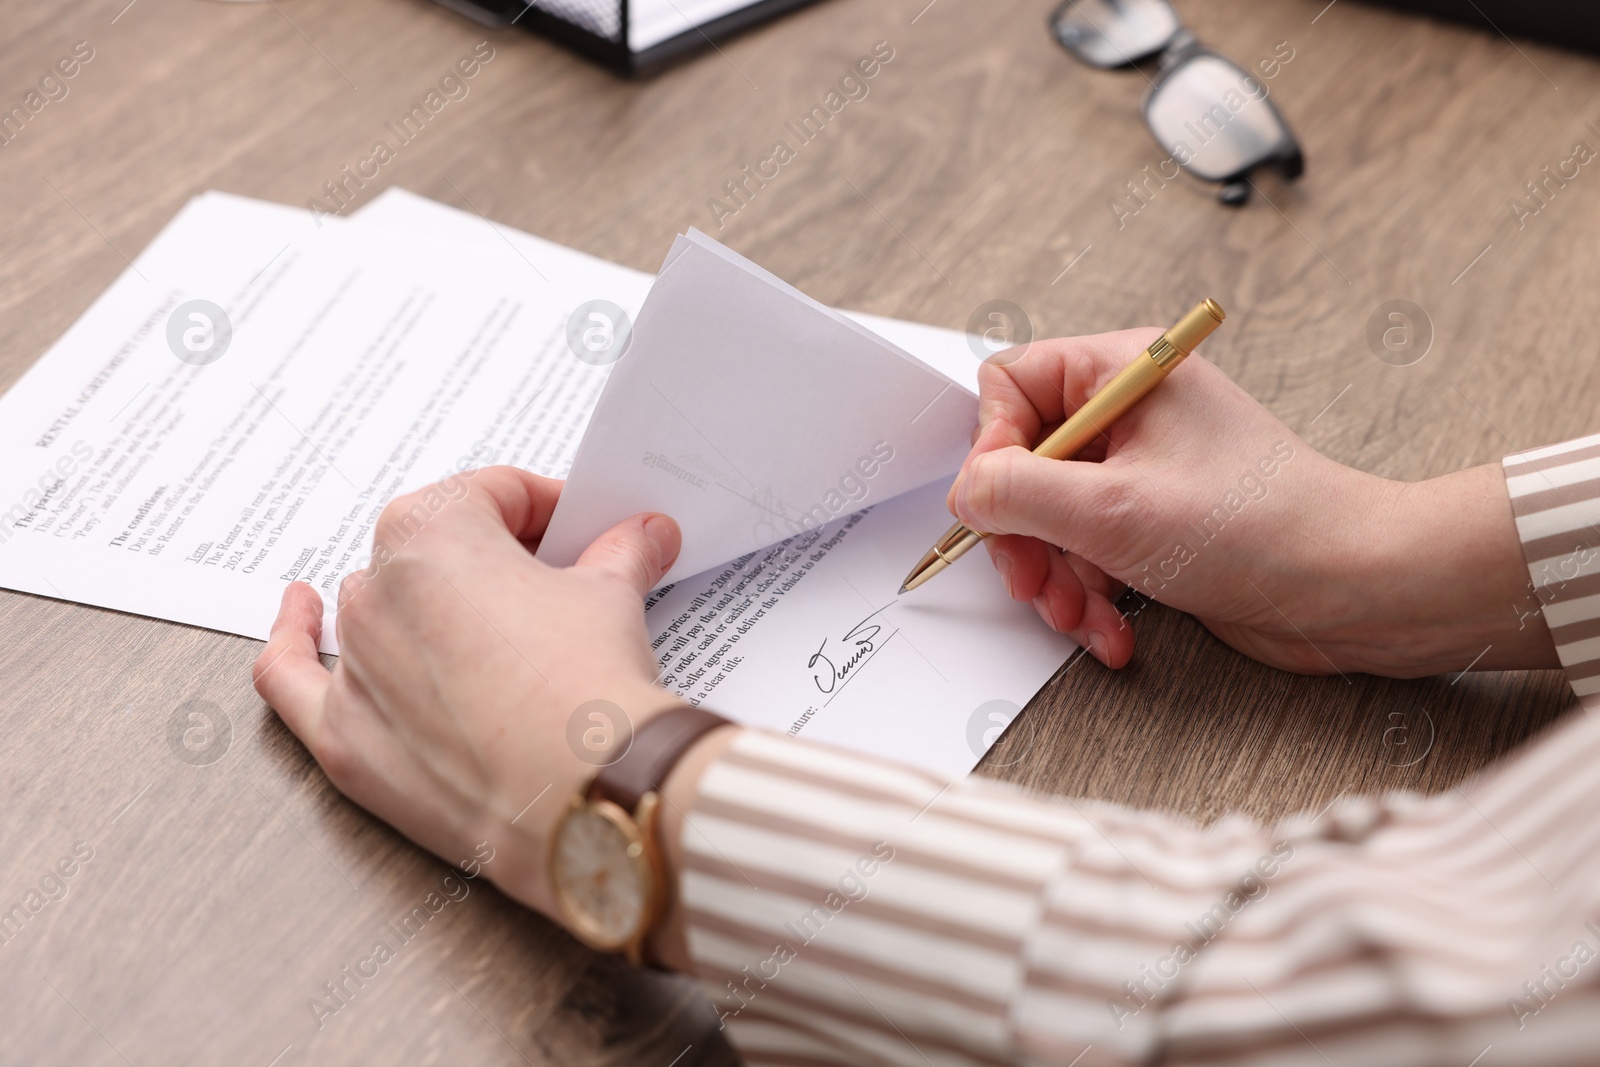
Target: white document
[
  {"x": 359, "y": 366},
  {"x": 809, "y": 638},
  {"x": 364, "y": 363},
  {"x": 751, "y": 413},
  {"x": 654, "y": 21},
  {"x": 649, "y": 21}
]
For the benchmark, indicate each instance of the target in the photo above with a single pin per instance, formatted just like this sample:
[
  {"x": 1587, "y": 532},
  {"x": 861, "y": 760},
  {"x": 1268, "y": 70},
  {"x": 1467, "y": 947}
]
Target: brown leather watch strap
[{"x": 657, "y": 746}]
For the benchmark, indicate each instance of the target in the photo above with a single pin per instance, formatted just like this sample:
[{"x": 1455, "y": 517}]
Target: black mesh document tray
[{"x": 602, "y": 29}]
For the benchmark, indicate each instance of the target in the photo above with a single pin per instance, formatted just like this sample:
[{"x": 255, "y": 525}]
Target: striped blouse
[{"x": 844, "y": 910}]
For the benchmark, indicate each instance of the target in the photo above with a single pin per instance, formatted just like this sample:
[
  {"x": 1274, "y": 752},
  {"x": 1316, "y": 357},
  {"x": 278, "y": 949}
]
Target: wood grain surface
[{"x": 981, "y": 166}]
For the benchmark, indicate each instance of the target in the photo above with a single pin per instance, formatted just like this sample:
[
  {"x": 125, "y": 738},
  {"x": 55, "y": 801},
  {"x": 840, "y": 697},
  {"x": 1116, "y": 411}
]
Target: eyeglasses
[{"x": 1209, "y": 113}]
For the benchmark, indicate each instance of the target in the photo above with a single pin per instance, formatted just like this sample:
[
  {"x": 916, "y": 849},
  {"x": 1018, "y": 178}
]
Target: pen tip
[{"x": 902, "y": 590}]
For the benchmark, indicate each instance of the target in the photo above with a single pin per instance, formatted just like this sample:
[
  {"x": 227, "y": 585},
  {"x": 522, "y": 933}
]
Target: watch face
[{"x": 602, "y": 874}]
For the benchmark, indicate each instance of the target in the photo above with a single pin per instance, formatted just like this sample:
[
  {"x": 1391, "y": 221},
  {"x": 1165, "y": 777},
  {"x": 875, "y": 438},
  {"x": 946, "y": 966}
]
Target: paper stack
[{"x": 234, "y": 412}]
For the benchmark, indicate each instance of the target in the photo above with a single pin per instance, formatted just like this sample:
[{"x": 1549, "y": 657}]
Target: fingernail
[
  {"x": 659, "y": 529},
  {"x": 960, "y": 497},
  {"x": 1003, "y": 564},
  {"x": 1097, "y": 646},
  {"x": 964, "y": 493},
  {"x": 1047, "y": 611}
]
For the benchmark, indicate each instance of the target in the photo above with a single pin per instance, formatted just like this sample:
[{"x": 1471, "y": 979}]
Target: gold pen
[{"x": 1088, "y": 422}]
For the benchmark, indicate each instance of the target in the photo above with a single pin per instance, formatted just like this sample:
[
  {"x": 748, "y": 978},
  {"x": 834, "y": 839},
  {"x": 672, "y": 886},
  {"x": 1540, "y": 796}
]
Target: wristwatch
[{"x": 605, "y": 857}]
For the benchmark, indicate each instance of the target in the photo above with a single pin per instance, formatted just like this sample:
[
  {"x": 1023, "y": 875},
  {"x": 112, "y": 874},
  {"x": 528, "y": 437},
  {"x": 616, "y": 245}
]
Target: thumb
[
  {"x": 638, "y": 550},
  {"x": 1076, "y": 505}
]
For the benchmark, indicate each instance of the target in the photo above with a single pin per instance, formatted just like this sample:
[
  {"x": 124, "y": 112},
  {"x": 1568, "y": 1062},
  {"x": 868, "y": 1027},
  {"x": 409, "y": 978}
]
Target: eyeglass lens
[
  {"x": 1112, "y": 33},
  {"x": 1214, "y": 118}
]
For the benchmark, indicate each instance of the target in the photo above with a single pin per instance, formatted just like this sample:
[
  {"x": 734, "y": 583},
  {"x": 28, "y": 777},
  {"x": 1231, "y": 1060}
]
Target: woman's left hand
[{"x": 462, "y": 659}]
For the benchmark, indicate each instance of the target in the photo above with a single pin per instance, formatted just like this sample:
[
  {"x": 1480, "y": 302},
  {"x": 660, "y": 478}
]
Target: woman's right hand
[{"x": 1200, "y": 498}]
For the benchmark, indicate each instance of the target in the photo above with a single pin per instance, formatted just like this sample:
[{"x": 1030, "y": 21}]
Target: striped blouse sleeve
[
  {"x": 1554, "y": 493},
  {"x": 845, "y": 910}
]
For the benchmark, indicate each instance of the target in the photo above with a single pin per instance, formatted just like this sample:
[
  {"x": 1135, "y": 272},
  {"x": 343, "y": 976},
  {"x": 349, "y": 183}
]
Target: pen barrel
[
  {"x": 957, "y": 542},
  {"x": 1105, "y": 407}
]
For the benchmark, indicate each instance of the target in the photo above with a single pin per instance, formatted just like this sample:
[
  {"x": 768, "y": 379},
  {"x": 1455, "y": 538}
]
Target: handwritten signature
[{"x": 860, "y": 643}]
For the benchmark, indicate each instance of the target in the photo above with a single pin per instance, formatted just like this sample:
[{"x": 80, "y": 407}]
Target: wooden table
[{"x": 983, "y": 165}]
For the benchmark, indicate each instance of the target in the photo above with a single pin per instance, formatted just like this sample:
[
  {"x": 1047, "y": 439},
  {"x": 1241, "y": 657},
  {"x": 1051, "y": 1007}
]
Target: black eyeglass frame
[{"x": 1176, "y": 51}]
